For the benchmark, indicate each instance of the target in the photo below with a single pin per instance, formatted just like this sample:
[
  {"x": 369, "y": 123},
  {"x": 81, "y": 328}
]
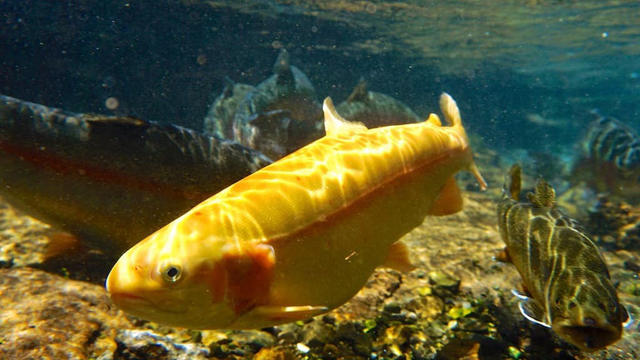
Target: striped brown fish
[
  {"x": 375, "y": 109},
  {"x": 611, "y": 157},
  {"x": 110, "y": 180},
  {"x": 281, "y": 114},
  {"x": 565, "y": 278}
]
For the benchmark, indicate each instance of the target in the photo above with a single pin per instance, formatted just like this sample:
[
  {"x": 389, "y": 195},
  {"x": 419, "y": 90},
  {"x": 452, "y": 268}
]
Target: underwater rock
[
  {"x": 375, "y": 109},
  {"x": 47, "y": 316},
  {"x": 281, "y": 114},
  {"x": 110, "y": 181},
  {"x": 219, "y": 118},
  {"x": 23, "y": 240},
  {"x": 147, "y": 345},
  {"x": 443, "y": 282}
]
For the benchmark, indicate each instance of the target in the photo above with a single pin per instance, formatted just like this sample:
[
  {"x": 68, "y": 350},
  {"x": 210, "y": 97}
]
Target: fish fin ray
[
  {"x": 519, "y": 295},
  {"x": 335, "y": 124},
  {"x": 398, "y": 257},
  {"x": 291, "y": 313},
  {"x": 449, "y": 200},
  {"x": 629, "y": 321},
  {"x": 530, "y": 309}
]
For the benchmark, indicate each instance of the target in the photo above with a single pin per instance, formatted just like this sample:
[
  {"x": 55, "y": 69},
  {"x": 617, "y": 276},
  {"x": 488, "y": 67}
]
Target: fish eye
[{"x": 171, "y": 273}]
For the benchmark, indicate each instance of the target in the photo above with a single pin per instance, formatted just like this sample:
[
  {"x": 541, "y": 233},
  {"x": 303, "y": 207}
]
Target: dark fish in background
[
  {"x": 610, "y": 159},
  {"x": 110, "y": 180},
  {"x": 566, "y": 281},
  {"x": 375, "y": 109},
  {"x": 287, "y": 90},
  {"x": 219, "y": 119}
]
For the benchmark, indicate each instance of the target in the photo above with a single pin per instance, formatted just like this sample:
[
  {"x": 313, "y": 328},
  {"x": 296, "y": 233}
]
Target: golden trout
[
  {"x": 302, "y": 235},
  {"x": 567, "y": 284}
]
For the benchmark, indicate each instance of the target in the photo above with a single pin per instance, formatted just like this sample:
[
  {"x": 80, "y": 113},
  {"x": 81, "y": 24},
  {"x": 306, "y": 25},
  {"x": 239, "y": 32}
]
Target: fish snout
[{"x": 124, "y": 283}]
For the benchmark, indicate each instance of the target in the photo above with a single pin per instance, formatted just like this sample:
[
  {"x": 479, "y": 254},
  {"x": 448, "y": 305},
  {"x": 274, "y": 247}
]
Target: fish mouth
[
  {"x": 145, "y": 308},
  {"x": 589, "y": 338},
  {"x": 127, "y": 300}
]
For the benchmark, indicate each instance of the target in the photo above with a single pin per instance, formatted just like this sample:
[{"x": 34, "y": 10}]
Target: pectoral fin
[
  {"x": 289, "y": 313},
  {"x": 268, "y": 315},
  {"x": 530, "y": 309},
  {"x": 398, "y": 257},
  {"x": 449, "y": 201}
]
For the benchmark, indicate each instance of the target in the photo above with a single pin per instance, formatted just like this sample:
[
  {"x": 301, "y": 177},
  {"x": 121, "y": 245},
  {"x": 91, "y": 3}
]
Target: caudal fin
[{"x": 451, "y": 113}]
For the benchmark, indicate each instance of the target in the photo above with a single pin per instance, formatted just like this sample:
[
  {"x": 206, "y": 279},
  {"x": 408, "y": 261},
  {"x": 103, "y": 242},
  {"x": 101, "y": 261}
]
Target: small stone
[
  {"x": 329, "y": 319},
  {"x": 443, "y": 281},
  {"x": 436, "y": 330},
  {"x": 411, "y": 317},
  {"x": 360, "y": 341},
  {"x": 392, "y": 308},
  {"x": 318, "y": 333},
  {"x": 632, "y": 266},
  {"x": 302, "y": 348},
  {"x": 330, "y": 351}
]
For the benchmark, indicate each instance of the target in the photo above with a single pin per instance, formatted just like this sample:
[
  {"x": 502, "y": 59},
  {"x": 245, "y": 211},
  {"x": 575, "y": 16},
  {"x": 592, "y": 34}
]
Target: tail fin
[{"x": 451, "y": 113}]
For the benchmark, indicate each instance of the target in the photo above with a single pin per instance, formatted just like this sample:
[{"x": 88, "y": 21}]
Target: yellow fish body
[{"x": 302, "y": 235}]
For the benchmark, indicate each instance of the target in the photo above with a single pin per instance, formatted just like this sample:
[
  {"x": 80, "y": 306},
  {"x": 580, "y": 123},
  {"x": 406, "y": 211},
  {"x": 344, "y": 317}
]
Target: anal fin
[{"x": 449, "y": 200}]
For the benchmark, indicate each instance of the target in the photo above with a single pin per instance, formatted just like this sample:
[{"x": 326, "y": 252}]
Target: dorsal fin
[
  {"x": 336, "y": 124},
  {"x": 450, "y": 110},
  {"x": 434, "y": 119},
  {"x": 515, "y": 182},
  {"x": 282, "y": 69},
  {"x": 359, "y": 92},
  {"x": 228, "y": 87},
  {"x": 544, "y": 195}
]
